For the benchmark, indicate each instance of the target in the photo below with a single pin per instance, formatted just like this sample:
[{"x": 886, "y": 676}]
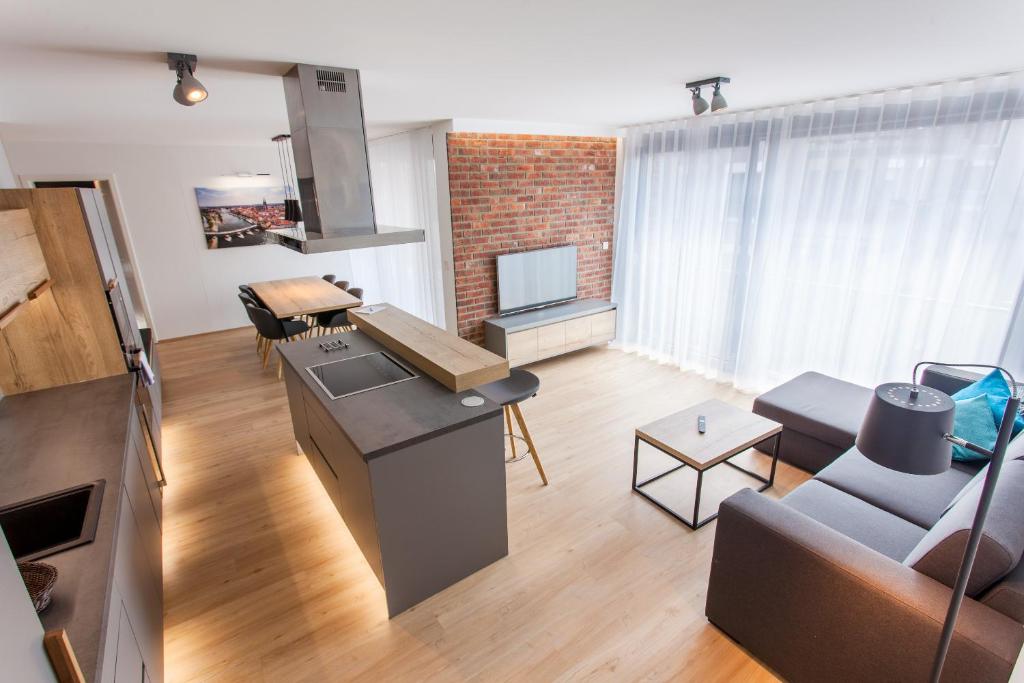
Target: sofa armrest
[{"x": 815, "y": 605}]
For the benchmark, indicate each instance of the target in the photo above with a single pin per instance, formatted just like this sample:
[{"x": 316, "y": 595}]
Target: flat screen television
[{"x": 531, "y": 279}]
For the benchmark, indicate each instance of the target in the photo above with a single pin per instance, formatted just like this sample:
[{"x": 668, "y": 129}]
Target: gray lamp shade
[
  {"x": 191, "y": 87},
  {"x": 179, "y": 96},
  {"x": 906, "y": 432},
  {"x": 718, "y": 101},
  {"x": 700, "y": 105}
]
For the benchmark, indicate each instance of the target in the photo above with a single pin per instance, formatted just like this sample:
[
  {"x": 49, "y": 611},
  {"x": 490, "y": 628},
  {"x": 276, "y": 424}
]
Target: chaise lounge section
[{"x": 849, "y": 576}]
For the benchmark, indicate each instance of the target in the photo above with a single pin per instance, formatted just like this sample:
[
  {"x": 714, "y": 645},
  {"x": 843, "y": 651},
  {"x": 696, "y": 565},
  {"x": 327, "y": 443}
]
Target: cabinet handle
[
  {"x": 62, "y": 657},
  {"x": 112, "y": 284}
]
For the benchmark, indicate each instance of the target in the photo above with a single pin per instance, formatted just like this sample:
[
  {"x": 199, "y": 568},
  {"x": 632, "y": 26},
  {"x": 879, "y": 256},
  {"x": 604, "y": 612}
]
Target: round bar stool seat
[
  {"x": 518, "y": 386},
  {"x": 509, "y": 393}
]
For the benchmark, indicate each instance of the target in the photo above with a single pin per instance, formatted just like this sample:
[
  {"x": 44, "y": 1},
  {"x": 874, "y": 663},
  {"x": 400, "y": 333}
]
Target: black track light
[
  {"x": 700, "y": 105},
  {"x": 188, "y": 90}
]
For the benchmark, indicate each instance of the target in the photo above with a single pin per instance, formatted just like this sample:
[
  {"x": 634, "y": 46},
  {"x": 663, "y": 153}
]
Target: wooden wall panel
[
  {"x": 67, "y": 334},
  {"x": 21, "y": 261}
]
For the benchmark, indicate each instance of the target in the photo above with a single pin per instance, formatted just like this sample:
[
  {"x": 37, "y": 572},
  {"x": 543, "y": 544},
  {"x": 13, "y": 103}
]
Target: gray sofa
[
  {"x": 820, "y": 415},
  {"x": 849, "y": 576}
]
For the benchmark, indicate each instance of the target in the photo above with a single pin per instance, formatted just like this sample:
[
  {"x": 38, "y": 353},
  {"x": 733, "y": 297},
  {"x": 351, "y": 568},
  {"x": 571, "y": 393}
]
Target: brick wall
[{"x": 513, "y": 193}]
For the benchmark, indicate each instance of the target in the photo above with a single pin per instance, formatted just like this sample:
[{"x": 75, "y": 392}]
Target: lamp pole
[{"x": 997, "y": 454}]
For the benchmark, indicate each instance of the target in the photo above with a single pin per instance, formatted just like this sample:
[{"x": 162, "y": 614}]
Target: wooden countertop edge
[{"x": 454, "y": 381}]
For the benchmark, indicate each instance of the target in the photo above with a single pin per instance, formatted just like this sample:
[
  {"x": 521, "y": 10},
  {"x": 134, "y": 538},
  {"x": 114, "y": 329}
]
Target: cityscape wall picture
[{"x": 240, "y": 216}]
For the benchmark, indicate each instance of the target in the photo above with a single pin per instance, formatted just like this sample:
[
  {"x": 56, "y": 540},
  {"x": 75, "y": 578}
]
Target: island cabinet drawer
[
  {"x": 521, "y": 347},
  {"x": 577, "y": 333},
  {"x": 324, "y": 472},
  {"x": 602, "y": 327},
  {"x": 344, "y": 473},
  {"x": 550, "y": 340}
]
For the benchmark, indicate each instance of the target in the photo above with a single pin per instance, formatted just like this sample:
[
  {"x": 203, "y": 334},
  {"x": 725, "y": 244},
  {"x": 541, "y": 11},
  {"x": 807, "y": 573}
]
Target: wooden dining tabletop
[{"x": 303, "y": 296}]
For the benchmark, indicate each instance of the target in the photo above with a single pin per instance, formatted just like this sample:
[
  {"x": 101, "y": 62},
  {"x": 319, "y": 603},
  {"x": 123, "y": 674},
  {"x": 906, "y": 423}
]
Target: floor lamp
[{"x": 908, "y": 428}]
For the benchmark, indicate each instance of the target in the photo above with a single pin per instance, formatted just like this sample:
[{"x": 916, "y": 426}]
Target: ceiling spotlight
[
  {"x": 717, "y": 99},
  {"x": 188, "y": 90},
  {"x": 700, "y": 105}
]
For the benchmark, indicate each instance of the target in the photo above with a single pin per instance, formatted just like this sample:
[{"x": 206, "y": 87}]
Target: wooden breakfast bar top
[
  {"x": 303, "y": 296},
  {"x": 454, "y": 362}
]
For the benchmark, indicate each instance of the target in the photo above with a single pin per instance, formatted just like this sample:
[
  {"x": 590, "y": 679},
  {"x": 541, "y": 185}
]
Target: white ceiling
[{"x": 95, "y": 70}]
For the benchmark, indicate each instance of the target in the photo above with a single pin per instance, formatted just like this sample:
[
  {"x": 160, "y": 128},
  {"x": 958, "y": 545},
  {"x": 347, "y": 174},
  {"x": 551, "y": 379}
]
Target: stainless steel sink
[{"x": 53, "y": 523}]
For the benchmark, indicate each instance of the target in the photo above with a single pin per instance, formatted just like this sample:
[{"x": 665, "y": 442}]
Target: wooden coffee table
[{"x": 730, "y": 431}]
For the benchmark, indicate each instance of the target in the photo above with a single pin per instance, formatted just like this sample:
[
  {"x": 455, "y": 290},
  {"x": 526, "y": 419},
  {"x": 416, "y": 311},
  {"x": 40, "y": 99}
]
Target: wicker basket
[{"x": 39, "y": 579}]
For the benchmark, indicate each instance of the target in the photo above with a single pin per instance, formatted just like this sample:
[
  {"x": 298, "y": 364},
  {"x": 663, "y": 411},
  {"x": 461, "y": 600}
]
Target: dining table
[{"x": 303, "y": 296}]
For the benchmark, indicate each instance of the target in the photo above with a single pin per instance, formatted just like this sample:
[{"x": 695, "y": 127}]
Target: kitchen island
[{"x": 418, "y": 477}]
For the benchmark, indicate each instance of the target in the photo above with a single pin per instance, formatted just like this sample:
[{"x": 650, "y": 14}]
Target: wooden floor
[{"x": 264, "y": 583}]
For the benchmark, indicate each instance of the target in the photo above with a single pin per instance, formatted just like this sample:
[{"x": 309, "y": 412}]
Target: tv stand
[{"x": 551, "y": 331}]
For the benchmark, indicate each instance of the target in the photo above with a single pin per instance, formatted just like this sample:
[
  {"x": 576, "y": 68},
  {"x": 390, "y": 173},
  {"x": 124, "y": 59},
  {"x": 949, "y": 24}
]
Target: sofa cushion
[
  {"x": 997, "y": 392},
  {"x": 920, "y": 499},
  {"x": 852, "y": 517},
  {"x": 826, "y": 408},
  {"x": 1007, "y": 596},
  {"x": 939, "y": 553}
]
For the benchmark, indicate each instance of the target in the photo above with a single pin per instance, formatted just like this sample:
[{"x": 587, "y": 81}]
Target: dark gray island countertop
[
  {"x": 387, "y": 418},
  {"x": 55, "y": 439}
]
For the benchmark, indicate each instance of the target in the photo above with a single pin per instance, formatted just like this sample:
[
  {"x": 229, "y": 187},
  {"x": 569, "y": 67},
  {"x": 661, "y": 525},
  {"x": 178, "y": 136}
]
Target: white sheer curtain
[
  {"x": 852, "y": 236},
  {"x": 405, "y": 195}
]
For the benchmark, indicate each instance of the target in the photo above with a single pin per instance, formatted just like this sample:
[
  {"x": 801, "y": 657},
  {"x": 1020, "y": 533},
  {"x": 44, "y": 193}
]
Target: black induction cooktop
[{"x": 341, "y": 378}]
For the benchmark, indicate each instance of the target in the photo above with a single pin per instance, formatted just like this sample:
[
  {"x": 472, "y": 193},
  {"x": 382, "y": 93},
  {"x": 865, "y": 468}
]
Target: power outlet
[{"x": 604, "y": 246}]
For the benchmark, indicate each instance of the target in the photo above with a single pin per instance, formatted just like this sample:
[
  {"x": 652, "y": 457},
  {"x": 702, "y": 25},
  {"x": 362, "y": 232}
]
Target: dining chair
[
  {"x": 329, "y": 321},
  {"x": 247, "y": 301},
  {"x": 342, "y": 284},
  {"x": 357, "y": 292},
  {"x": 330, "y": 277},
  {"x": 271, "y": 329}
]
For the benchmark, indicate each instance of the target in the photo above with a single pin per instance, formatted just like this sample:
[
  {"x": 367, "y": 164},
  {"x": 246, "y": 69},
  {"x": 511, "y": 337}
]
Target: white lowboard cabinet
[{"x": 535, "y": 335}]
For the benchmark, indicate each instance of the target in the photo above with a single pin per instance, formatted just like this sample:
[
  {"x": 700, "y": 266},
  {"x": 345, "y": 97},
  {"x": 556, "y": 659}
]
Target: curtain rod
[{"x": 834, "y": 98}]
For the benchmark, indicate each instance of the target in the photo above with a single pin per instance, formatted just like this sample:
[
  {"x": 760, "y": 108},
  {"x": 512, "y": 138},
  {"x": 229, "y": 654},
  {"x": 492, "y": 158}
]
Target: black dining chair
[
  {"x": 342, "y": 284},
  {"x": 330, "y": 277},
  {"x": 509, "y": 393},
  {"x": 329, "y": 321},
  {"x": 247, "y": 301},
  {"x": 271, "y": 329}
]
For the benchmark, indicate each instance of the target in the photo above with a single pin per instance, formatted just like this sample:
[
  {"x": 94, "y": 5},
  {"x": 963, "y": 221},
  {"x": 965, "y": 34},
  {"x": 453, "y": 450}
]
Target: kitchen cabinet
[
  {"x": 109, "y": 593},
  {"x": 128, "y": 665}
]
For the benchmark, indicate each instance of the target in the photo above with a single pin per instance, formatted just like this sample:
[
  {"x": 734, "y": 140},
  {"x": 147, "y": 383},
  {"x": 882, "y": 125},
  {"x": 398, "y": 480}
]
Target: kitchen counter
[
  {"x": 418, "y": 477},
  {"x": 55, "y": 439},
  {"x": 389, "y": 418}
]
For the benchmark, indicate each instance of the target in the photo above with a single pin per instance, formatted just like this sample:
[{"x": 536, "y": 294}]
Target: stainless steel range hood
[{"x": 325, "y": 114}]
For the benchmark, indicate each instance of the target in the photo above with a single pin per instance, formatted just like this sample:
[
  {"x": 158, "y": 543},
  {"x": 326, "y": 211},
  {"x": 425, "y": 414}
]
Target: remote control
[{"x": 702, "y": 424}]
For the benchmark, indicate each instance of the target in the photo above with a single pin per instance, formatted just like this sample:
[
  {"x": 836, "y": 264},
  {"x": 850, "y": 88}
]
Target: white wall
[
  {"x": 190, "y": 289},
  {"x": 6, "y": 175}
]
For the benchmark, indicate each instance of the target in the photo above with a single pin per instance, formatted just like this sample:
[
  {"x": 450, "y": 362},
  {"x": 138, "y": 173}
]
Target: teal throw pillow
[
  {"x": 973, "y": 422},
  {"x": 995, "y": 387}
]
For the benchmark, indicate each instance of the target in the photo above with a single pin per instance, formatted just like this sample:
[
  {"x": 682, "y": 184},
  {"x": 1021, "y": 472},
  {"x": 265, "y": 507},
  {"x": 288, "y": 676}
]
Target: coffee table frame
[{"x": 696, "y": 523}]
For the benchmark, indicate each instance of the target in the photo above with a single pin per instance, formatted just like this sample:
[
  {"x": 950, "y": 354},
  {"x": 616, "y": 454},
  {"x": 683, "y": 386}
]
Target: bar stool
[{"x": 509, "y": 393}]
